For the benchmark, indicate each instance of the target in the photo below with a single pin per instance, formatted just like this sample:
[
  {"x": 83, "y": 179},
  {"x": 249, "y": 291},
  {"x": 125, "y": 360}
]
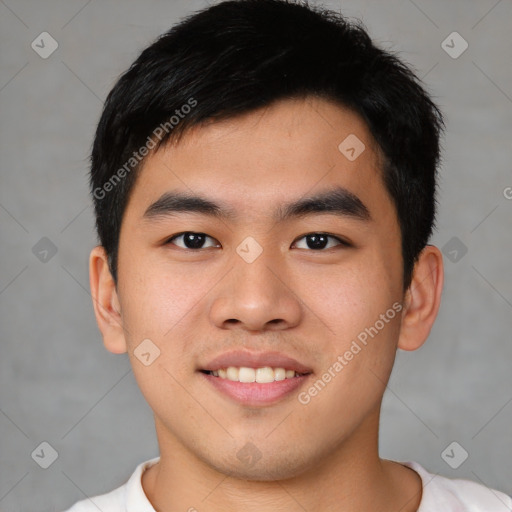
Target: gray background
[{"x": 58, "y": 384}]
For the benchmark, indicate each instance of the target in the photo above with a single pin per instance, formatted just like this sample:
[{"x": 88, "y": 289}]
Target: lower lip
[{"x": 255, "y": 393}]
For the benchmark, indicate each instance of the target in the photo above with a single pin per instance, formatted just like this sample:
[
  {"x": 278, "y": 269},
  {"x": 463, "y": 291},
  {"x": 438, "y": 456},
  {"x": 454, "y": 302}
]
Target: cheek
[
  {"x": 361, "y": 306},
  {"x": 155, "y": 317},
  {"x": 352, "y": 381},
  {"x": 155, "y": 299},
  {"x": 353, "y": 296}
]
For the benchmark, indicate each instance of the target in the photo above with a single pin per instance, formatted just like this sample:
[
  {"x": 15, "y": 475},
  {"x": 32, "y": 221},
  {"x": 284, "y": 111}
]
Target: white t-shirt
[{"x": 440, "y": 494}]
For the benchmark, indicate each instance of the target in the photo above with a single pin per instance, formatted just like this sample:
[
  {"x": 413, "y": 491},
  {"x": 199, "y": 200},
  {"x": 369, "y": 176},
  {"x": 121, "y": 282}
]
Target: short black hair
[{"x": 239, "y": 55}]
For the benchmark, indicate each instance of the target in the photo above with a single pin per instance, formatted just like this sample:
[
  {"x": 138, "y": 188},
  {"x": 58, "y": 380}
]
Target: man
[{"x": 264, "y": 183}]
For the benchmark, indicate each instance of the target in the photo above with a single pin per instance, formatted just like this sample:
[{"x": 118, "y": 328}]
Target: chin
[{"x": 249, "y": 464}]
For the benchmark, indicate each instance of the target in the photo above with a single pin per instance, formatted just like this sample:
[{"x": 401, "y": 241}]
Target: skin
[{"x": 307, "y": 303}]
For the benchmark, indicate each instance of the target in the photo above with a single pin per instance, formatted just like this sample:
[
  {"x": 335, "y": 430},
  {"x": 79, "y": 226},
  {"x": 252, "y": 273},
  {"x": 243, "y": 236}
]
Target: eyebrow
[{"x": 337, "y": 201}]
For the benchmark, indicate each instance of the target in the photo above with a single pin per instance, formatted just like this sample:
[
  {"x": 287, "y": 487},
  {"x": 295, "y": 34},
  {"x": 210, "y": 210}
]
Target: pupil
[
  {"x": 194, "y": 240},
  {"x": 316, "y": 241}
]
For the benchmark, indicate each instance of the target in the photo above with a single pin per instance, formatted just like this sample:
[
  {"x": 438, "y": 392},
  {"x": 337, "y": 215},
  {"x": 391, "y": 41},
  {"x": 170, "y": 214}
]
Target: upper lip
[{"x": 255, "y": 360}]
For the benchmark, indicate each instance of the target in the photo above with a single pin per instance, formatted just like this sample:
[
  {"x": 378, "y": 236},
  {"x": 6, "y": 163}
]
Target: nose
[{"x": 256, "y": 296}]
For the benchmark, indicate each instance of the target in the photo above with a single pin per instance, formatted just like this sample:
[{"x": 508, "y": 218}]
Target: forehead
[{"x": 281, "y": 152}]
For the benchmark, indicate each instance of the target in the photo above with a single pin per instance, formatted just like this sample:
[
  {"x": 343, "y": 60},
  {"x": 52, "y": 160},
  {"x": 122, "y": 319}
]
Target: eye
[
  {"x": 192, "y": 240},
  {"x": 317, "y": 241}
]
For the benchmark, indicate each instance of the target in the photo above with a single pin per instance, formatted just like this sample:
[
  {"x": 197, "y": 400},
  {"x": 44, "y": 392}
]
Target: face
[{"x": 315, "y": 290}]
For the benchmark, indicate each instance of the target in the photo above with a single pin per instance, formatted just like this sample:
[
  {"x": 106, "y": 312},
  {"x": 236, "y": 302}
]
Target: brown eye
[
  {"x": 319, "y": 241},
  {"x": 191, "y": 240}
]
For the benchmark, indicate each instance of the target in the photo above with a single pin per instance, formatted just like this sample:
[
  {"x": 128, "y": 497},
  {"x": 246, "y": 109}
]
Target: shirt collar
[{"x": 136, "y": 500}]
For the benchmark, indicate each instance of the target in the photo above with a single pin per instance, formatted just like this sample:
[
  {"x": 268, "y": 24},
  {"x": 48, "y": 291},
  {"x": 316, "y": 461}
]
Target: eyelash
[{"x": 342, "y": 242}]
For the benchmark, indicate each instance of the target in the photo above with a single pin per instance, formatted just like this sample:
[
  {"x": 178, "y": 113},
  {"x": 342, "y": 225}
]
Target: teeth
[
  {"x": 265, "y": 374},
  {"x": 281, "y": 374},
  {"x": 232, "y": 373},
  {"x": 261, "y": 375},
  {"x": 246, "y": 374}
]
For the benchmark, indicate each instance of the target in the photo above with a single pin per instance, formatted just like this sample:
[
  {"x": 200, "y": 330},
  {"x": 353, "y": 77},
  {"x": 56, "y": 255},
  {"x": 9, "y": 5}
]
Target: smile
[
  {"x": 251, "y": 393},
  {"x": 262, "y": 375}
]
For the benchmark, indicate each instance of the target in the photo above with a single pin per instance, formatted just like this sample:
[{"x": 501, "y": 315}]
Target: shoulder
[
  {"x": 457, "y": 495},
  {"x": 122, "y": 499}
]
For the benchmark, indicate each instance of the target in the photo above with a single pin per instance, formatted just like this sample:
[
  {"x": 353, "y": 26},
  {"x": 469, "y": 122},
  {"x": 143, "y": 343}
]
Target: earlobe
[
  {"x": 107, "y": 308},
  {"x": 422, "y": 299}
]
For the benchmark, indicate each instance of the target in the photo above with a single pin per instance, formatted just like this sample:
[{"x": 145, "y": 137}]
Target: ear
[
  {"x": 422, "y": 299},
  {"x": 106, "y": 302}
]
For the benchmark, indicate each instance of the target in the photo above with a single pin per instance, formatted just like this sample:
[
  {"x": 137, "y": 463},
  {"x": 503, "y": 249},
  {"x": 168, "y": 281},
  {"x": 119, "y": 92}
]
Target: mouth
[
  {"x": 263, "y": 375},
  {"x": 253, "y": 379}
]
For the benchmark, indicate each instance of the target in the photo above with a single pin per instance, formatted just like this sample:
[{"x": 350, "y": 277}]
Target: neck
[{"x": 352, "y": 477}]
